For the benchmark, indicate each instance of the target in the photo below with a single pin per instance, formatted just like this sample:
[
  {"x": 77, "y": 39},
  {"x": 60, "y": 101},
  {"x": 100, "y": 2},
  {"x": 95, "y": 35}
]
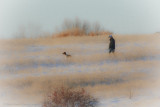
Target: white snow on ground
[{"x": 34, "y": 60}]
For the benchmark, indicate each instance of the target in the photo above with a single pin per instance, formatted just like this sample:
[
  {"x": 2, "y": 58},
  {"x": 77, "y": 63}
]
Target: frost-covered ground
[{"x": 130, "y": 77}]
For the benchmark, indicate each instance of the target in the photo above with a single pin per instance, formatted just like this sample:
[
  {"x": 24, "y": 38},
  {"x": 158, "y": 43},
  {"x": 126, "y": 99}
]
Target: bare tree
[{"x": 77, "y": 27}]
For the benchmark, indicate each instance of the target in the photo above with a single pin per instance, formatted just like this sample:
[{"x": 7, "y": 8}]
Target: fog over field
[
  {"x": 35, "y": 33},
  {"x": 30, "y": 68}
]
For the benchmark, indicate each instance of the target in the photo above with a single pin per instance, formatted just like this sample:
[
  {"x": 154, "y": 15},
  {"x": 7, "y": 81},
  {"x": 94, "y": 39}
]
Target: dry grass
[
  {"x": 117, "y": 82},
  {"x": 127, "y": 73}
]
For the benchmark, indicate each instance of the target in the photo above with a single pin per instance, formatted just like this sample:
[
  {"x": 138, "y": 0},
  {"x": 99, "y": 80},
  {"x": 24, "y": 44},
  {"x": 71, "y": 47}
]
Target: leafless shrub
[
  {"x": 31, "y": 30},
  {"x": 68, "y": 97},
  {"x": 77, "y": 28}
]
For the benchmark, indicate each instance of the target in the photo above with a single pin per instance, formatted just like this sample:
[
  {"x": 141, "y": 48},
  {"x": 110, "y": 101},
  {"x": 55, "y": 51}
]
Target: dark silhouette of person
[{"x": 111, "y": 44}]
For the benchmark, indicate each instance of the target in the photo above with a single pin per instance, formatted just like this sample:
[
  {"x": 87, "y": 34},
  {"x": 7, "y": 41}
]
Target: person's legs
[{"x": 111, "y": 50}]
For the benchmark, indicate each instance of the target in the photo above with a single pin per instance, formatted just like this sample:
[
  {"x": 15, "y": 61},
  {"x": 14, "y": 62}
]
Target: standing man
[{"x": 111, "y": 44}]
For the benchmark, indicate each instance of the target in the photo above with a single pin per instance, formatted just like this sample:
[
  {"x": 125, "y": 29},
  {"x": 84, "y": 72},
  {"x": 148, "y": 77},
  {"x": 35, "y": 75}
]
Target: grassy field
[{"x": 30, "y": 68}]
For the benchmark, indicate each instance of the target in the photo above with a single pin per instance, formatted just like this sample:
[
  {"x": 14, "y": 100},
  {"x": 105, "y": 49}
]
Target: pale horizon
[{"x": 39, "y": 16}]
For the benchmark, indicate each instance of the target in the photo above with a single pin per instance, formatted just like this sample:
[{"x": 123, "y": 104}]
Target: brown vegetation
[
  {"x": 129, "y": 76},
  {"x": 80, "y": 28},
  {"x": 68, "y": 97}
]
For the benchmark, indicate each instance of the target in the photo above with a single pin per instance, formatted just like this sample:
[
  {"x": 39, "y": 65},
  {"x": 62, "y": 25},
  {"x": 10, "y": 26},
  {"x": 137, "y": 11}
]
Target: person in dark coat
[{"x": 111, "y": 44}]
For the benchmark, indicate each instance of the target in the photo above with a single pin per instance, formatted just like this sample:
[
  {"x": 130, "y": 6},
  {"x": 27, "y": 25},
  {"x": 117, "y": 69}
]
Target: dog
[{"x": 67, "y": 55}]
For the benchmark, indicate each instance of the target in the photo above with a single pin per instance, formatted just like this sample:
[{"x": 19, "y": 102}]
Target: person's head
[{"x": 110, "y": 36}]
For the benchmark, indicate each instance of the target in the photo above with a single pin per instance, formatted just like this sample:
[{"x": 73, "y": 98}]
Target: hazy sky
[{"x": 119, "y": 16}]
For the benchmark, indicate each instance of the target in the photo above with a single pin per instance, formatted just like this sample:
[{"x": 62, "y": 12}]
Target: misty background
[{"x": 38, "y": 17}]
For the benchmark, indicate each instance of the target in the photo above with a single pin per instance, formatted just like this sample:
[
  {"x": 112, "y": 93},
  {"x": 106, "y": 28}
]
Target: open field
[{"x": 30, "y": 68}]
